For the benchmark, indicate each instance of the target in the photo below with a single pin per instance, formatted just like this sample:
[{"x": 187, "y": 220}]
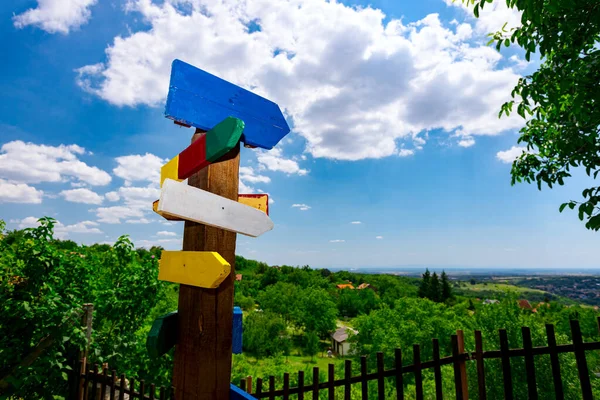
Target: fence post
[
  {"x": 249, "y": 384},
  {"x": 364, "y": 383},
  {"x": 529, "y": 363},
  {"x": 582, "y": 367},
  {"x": 460, "y": 335},
  {"x": 300, "y": 385},
  {"x": 399, "y": 378},
  {"x": 456, "y": 362}
]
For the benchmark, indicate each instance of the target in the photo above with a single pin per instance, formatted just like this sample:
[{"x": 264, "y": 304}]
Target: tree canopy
[{"x": 560, "y": 100}]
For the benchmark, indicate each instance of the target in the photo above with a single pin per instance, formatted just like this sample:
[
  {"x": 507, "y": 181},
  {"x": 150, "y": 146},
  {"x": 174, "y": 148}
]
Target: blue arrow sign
[{"x": 197, "y": 98}]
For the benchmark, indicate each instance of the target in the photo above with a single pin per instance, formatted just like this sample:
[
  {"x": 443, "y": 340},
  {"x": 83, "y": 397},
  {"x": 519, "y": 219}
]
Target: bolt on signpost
[{"x": 201, "y": 329}]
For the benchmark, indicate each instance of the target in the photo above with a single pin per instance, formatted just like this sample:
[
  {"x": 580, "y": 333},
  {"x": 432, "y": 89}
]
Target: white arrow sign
[{"x": 180, "y": 200}]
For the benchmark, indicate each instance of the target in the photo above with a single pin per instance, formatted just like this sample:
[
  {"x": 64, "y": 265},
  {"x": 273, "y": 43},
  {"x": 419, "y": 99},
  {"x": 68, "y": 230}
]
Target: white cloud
[
  {"x": 378, "y": 237},
  {"x": 337, "y": 241},
  {"x": 31, "y": 163},
  {"x": 249, "y": 175},
  {"x": 166, "y": 243},
  {"x": 356, "y": 222},
  {"x": 492, "y": 17},
  {"x": 301, "y": 207},
  {"x": 19, "y": 193},
  {"x": 405, "y": 152},
  {"x": 519, "y": 63},
  {"x": 61, "y": 231},
  {"x": 271, "y": 200},
  {"x": 112, "y": 196},
  {"x": 166, "y": 233},
  {"x": 82, "y": 195},
  {"x": 138, "y": 167},
  {"x": 137, "y": 201},
  {"x": 56, "y": 16},
  {"x": 113, "y": 215},
  {"x": 510, "y": 155},
  {"x": 274, "y": 161},
  {"x": 141, "y": 197},
  {"x": 138, "y": 221},
  {"x": 356, "y": 85},
  {"x": 467, "y": 141},
  {"x": 28, "y": 222}
]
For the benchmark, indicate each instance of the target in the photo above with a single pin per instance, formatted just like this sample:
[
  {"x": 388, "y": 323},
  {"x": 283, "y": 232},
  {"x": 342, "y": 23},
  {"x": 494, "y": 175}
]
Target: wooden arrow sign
[
  {"x": 206, "y": 150},
  {"x": 192, "y": 204},
  {"x": 236, "y": 344},
  {"x": 197, "y": 98},
  {"x": 205, "y": 269},
  {"x": 258, "y": 201},
  {"x": 163, "y": 334}
]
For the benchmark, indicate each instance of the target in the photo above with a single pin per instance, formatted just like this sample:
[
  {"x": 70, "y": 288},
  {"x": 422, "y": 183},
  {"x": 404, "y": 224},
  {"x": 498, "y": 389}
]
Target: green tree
[
  {"x": 40, "y": 292},
  {"x": 270, "y": 277},
  {"x": 317, "y": 312},
  {"x": 559, "y": 101},
  {"x": 312, "y": 344},
  {"x": 349, "y": 303},
  {"x": 264, "y": 334},
  {"x": 471, "y": 305},
  {"x": 424, "y": 289},
  {"x": 369, "y": 300},
  {"x": 435, "y": 288},
  {"x": 283, "y": 299},
  {"x": 446, "y": 288}
]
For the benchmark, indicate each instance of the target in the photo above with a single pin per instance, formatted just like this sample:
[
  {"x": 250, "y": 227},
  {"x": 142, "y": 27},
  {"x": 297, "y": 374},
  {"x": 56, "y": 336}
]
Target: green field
[{"x": 499, "y": 287}]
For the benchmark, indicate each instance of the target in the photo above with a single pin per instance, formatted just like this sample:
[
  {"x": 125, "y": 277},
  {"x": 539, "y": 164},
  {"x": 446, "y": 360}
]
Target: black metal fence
[{"x": 96, "y": 384}]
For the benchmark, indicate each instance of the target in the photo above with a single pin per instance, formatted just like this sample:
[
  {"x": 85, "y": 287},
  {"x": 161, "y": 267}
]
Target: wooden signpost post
[{"x": 213, "y": 215}]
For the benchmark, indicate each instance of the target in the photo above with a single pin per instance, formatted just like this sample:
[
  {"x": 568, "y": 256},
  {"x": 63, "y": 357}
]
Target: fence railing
[
  {"x": 102, "y": 385},
  {"x": 458, "y": 360},
  {"x": 96, "y": 385}
]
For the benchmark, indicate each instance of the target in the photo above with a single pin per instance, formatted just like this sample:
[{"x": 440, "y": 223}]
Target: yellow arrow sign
[{"x": 205, "y": 269}]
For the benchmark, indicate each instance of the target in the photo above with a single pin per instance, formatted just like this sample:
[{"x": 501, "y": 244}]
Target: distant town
[{"x": 541, "y": 284}]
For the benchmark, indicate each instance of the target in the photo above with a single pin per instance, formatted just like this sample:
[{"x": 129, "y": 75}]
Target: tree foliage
[
  {"x": 434, "y": 288},
  {"x": 264, "y": 334},
  {"x": 43, "y": 285},
  {"x": 312, "y": 345},
  {"x": 560, "y": 100}
]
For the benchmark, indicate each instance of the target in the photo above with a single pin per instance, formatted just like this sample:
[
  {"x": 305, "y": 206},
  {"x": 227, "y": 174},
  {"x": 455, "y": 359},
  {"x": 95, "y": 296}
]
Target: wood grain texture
[
  {"x": 205, "y": 269},
  {"x": 202, "y": 368},
  {"x": 200, "y": 99},
  {"x": 193, "y": 204}
]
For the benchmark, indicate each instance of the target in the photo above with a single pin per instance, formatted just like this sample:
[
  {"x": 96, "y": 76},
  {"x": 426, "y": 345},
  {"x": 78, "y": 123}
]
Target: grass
[{"x": 499, "y": 287}]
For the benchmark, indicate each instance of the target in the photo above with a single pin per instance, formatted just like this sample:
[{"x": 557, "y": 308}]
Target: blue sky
[{"x": 396, "y": 155}]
